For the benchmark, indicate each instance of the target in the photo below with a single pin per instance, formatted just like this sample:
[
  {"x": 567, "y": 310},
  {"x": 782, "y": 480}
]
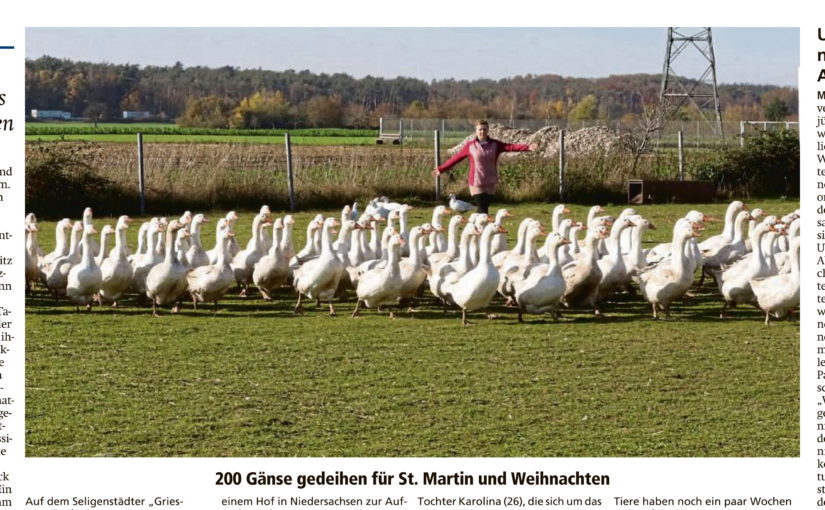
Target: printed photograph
[{"x": 341, "y": 242}]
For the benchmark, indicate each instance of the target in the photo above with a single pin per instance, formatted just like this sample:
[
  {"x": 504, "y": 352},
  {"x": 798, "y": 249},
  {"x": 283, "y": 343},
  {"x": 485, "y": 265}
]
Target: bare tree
[{"x": 639, "y": 137}]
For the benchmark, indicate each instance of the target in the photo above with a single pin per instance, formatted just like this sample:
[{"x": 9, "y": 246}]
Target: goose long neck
[
  {"x": 730, "y": 217},
  {"x": 142, "y": 235},
  {"x": 485, "y": 257},
  {"x": 452, "y": 239},
  {"x": 739, "y": 230},
  {"x": 121, "y": 244},
  {"x": 171, "y": 253},
  {"x": 415, "y": 250},
  {"x": 795, "y": 260},
  {"x": 195, "y": 230},
  {"x": 394, "y": 260},
  {"x": 636, "y": 244},
  {"x": 326, "y": 240},
  {"x": 592, "y": 248},
  {"x": 286, "y": 238},
  {"x": 403, "y": 224},
  {"x": 679, "y": 247},
  {"x": 616, "y": 242},
  {"x": 310, "y": 236},
  {"x": 531, "y": 251},
  {"x": 557, "y": 219},
  {"x": 87, "y": 249},
  {"x": 104, "y": 247},
  {"x": 74, "y": 247},
  {"x": 522, "y": 230},
  {"x": 159, "y": 246},
  {"x": 758, "y": 259},
  {"x": 277, "y": 234},
  {"x": 257, "y": 232},
  {"x": 552, "y": 256},
  {"x": 223, "y": 250},
  {"x": 61, "y": 239},
  {"x": 464, "y": 250}
]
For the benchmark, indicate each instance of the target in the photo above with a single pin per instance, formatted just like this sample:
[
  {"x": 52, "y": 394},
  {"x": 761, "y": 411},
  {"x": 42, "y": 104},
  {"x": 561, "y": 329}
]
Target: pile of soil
[{"x": 583, "y": 142}]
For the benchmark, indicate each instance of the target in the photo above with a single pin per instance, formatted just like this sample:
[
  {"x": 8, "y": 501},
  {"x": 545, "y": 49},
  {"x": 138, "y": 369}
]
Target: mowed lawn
[{"x": 255, "y": 380}]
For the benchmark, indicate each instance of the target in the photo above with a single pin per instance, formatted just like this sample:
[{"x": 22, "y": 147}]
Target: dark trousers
[{"x": 483, "y": 201}]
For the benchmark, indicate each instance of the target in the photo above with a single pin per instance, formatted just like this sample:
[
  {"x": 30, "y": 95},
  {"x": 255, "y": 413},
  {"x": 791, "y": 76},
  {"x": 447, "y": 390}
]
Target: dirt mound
[{"x": 577, "y": 143}]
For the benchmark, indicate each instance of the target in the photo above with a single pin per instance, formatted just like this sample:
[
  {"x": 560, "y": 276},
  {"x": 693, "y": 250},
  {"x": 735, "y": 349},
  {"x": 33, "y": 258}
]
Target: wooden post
[
  {"x": 681, "y": 156},
  {"x": 141, "y": 175},
  {"x": 437, "y": 137},
  {"x": 561, "y": 166},
  {"x": 289, "y": 173}
]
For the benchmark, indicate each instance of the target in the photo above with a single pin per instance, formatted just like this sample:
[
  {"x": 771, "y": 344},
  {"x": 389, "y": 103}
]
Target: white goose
[
  {"x": 663, "y": 284},
  {"x": 381, "y": 285},
  {"x": 272, "y": 270},
  {"x": 635, "y": 261},
  {"x": 115, "y": 270},
  {"x": 318, "y": 278},
  {"x": 500, "y": 241},
  {"x": 196, "y": 255},
  {"x": 734, "y": 281},
  {"x": 31, "y": 255},
  {"x": 582, "y": 276},
  {"x": 413, "y": 270},
  {"x": 613, "y": 268},
  {"x": 729, "y": 253},
  {"x": 243, "y": 264},
  {"x": 87, "y": 222},
  {"x": 166, "y": 282},
  {"x": 713, "y": 243},
  {"x": 84, "y": 279},
  {"x": 475, "y": 289},
  {"x": 234, "y": 248},
  {"x": 515, "y": 266},
  {"x": 143, "y": 243},
  {"x": 451, "y": 253},
  {"x": 58, "y": 275},
  {"x": 212, "y": 282},
  {"x": 61, "y": 248},
  {"x": 779, "y": 294},
  {"x": 460, "y": 206},
  {"x": 141, "y": 265},
  {"x": 458, "y": 267},
  {"x": 440, "y": 242},
  {"x": 543, "y": 287},
  {"x": 105, "y": 243}
]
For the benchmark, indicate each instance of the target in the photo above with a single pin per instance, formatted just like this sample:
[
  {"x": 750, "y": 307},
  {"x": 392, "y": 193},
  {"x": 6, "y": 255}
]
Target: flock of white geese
[{"x": 462, "y": 261}]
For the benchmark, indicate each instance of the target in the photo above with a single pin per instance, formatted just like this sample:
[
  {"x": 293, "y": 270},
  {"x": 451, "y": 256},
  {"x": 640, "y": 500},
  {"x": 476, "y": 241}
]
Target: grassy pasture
[
  {"x": 224, "y": 139},
  {"x": 253, "y": 380}
]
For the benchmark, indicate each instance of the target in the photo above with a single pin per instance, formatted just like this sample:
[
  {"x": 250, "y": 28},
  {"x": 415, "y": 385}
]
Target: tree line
[{"x": 256, "y": 98}]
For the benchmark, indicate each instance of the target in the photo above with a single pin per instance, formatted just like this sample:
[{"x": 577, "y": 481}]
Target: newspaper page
[{"x": 204, "y": 163}]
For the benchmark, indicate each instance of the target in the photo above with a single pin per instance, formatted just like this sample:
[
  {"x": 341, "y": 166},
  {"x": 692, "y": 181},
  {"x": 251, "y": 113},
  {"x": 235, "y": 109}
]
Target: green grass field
[
  {"x": 255, "y": 380},
  {"x": 227, "y": 138}
]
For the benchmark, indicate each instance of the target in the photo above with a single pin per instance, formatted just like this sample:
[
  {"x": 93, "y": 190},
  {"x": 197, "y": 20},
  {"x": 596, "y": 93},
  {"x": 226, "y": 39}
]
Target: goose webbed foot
[{"x": 357, "y": 313}]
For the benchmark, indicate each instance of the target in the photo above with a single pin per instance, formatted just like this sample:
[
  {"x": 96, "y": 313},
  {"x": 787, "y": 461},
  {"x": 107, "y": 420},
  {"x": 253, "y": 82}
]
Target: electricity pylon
[{"x": 678, "y": 90}]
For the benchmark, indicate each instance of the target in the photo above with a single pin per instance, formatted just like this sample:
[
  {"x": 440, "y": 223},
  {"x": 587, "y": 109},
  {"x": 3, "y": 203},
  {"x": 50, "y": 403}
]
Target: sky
[{"x": 743, "y": 55}]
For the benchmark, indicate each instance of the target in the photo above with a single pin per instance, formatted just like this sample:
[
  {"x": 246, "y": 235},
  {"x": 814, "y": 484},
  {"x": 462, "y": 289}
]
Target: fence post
[
  {"x": 681, "y": 157},
  {"x": 561, "y": 166},
  {"x": 141, "y": 175},
  {"x": 742, "y": 133},
  {"x": 437, "y": 137},
  {"x": 289, "y": 173}
]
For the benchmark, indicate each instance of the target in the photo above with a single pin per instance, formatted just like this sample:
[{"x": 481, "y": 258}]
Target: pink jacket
[{"x": 483, "y": 160}]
